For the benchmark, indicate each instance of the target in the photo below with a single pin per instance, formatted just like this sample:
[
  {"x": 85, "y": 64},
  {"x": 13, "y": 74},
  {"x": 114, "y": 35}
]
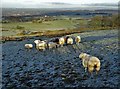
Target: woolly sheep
[
  {"x": 37, "y": 41},
  {"x": 78, "y": 39},
  {"x": 52, "y": 45},
  {"x": 28, "y": 46},
  {"x": 69, "y": 40},
  {"x": 61, "y": 41},
  {"x": 41, "y": 45},
  {"x": 90, "y": 62}
]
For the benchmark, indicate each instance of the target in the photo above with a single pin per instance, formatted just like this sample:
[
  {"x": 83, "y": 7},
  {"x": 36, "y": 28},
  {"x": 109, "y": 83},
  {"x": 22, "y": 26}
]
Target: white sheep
[
  {"x": 61, "y": 41},
  {"x": 78, "y": 39},
  {"x": 28, "y": 46},
  {"x": 52, "y": 45},
  {"x": 41, "y": 45},
  {"x": 37, "y": 41},
  {"x": 90, "y": 62},
  {"x": 69, "y": 40}
]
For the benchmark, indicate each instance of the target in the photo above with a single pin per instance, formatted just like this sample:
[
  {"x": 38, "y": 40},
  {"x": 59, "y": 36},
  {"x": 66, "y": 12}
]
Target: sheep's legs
[
  {"x": 98, "y": 68},
  {"x": 61, "y": 45},
  {"x": 77, "y": 43},
  {"x": 43, "y": 49},
  {"x": 85, "y": 69},
  {"x": 96, "y": 72},
  {"x": 28, "y": 50}
]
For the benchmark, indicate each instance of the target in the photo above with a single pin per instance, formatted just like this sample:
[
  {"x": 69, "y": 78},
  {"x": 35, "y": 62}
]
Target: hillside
[{"x": 61, "y": 67}]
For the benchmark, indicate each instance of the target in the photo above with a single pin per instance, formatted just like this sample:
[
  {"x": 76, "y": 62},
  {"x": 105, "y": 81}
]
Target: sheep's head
[
  {"x": 82, "y": 55},
  {"x": 78, "y": 37},
  {"x": 61, "y": 40},
  {"x": 37, "y": 41}
]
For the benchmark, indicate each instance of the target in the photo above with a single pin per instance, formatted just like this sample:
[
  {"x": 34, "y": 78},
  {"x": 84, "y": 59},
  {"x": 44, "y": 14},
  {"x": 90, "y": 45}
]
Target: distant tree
[
  {"x": 116, "y": 20},
  {"x": 70, "y": 18},
  {"x": 19, "y": 27},
  {"x": 77, "y": 14},
  {"x": 106, "y": 21},
  {"x": 39, "y": 21},
  {"x": 5, "y": 21},
  {"x": 96, "y": 21},
  {"x": 34, "y": 21}
]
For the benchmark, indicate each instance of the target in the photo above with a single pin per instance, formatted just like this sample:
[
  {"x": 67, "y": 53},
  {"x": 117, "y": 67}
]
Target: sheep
[
  {"x": 41, "y": 45},
  {"x": 90, "y": 62},
  {"x": 70, "y": 40},
  {"x": 52, "y": 45},
  {"x": 61, "y": 41},
  {"x": 78, "y": 39},
  {"x": 55, "y": 40},
  {"x": 28, "y": 46},
  {"x": 37, "y": 41}
]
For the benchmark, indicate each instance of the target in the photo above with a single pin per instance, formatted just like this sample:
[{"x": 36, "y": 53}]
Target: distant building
[{"x": 46, "y": 16}]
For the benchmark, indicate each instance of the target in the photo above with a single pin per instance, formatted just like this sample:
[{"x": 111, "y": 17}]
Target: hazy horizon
[{"x": 51, "y": 4}]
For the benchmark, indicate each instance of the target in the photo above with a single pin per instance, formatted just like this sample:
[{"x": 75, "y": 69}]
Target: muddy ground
[{"x": 61, "y": 67}]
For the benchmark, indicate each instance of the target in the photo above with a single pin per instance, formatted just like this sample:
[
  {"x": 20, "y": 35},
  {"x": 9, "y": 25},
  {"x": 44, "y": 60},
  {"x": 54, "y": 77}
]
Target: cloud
[
  {"x": 49, "y": 3},
  {"x": 57, "y": 3}
]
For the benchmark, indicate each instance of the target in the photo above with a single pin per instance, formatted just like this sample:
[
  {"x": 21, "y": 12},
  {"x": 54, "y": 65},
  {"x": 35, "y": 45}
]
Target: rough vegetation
[
  {"x": 51, "y": 25},
  {"x": 61, "y": 67}
]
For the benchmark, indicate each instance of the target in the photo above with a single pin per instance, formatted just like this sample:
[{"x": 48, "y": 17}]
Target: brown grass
[{"x": 54, "y": 33}]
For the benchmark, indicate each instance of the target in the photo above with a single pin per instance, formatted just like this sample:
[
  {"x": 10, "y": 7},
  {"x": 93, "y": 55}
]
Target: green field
[
  {"x": 61, "y": 26},
  {"x": 9, "y": 29}
]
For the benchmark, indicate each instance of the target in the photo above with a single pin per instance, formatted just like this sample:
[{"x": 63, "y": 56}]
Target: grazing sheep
[
  {"x": 61, "y": 41},
  {"x": 41, "y": 45},
  {"x": 28, "y": 46},
  {"x": 69, "y": 40},
  {"x": 78, "y": 39},
  {"x": 52, "y": 45},
  {"x": 55, "y": 40},
  {"x": 66, "y": 38},
  {"x": 90, "y": 62},
  {"x": 37, "y": 41}
]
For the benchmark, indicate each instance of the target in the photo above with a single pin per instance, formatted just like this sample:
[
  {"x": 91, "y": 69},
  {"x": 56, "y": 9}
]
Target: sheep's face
[
  {"x": 61, "y": 40},
  {"x": 37, "y": 41},
  {"x": 82, "y": 55},
  {"x": 78, "y": 37}
]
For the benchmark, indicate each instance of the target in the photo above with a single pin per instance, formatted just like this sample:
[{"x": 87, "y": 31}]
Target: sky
[{"x": 47, "y": 3}]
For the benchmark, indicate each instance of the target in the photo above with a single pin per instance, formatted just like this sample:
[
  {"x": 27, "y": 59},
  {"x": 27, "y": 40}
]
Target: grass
[
  {"x": 40, "y": 26},
  {"x": 11, "y": 28},
  {"x": 47, "y": 28}
]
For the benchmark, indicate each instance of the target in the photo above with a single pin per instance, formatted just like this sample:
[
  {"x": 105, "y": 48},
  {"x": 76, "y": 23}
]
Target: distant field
[{"x": 11, "y": 28}]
